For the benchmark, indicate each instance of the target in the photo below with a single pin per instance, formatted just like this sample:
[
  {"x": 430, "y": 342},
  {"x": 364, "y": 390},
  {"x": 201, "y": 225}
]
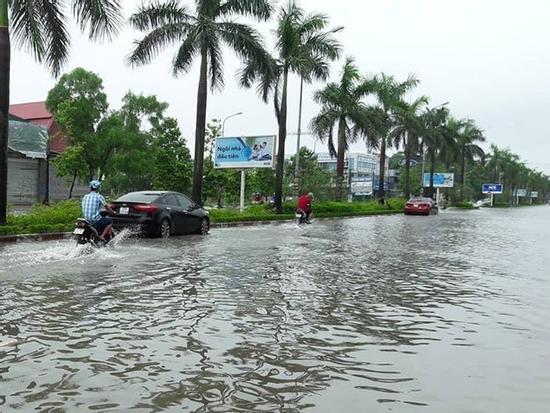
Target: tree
[
  {"x": 303, "y": 47},
  {"x": 199, "y": 35},
  {"x": 407, "y": 130},
  {"x": 389, "y": 94},
  {"x": 78, "y": 104},
  {"x": 41, "y": 27},
  {"x": 343, "y": 108},
  {"x": 468, "y": 150},
  {"x": 436, "y": 139},
  {"x": 71, "y": 164},
  {"x": 314, "y": 179},
  {"x": 172, "y": 169}
]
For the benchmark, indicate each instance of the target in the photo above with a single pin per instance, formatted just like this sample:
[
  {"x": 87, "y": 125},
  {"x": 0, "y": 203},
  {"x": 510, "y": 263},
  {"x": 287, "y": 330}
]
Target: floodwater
[{"x": 446, "y": 313}]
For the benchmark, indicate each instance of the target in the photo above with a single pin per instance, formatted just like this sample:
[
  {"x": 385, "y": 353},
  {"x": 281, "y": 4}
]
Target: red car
[{"x": 420, "y": 206}]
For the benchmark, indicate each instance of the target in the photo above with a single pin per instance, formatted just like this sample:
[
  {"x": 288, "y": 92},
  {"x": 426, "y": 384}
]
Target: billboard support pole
[
  {"x": 437, "y": 198},
  {"x": 492, "y": 200},
  {"x": 243, "y": 184}
]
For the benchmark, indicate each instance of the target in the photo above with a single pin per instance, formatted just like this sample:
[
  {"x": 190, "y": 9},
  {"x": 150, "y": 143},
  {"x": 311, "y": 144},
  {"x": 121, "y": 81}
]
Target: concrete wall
[
  {"x": 59, "y": 186},
  {"x": 23, "y": 180}
]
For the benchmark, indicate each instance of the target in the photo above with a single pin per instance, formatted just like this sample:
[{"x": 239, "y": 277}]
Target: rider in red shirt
[{"x": 304, "y": 204}]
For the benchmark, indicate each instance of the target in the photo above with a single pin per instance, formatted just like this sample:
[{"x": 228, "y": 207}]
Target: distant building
[
  {"x": 360, "y": 165},
  {"x": 34, "y": 140}
]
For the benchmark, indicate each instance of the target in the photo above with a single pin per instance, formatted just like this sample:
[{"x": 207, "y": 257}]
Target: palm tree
[
  {"x": 389, "y": 93},
  {"x": 468, "y": 150},
  {"x": 407, "y": 131},
  {"x": 302, "y": 47},
  {"x": 199, "y": 35},
  {"x": 343, "y": 107},
  {"x": 436, "y": 139},
  {"x": 41, "y": 26}
]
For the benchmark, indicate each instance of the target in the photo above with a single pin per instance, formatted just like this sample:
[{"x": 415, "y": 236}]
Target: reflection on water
[{"x": 442, "y": 313}]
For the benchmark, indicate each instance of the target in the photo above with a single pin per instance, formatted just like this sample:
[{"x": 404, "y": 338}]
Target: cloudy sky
[{"x": 489, "y": 58}]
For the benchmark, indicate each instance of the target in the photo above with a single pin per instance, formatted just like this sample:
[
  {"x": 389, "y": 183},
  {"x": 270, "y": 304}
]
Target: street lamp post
[
  {"x": 229, "y": 117},
  {"x": 243, "y": 174}
]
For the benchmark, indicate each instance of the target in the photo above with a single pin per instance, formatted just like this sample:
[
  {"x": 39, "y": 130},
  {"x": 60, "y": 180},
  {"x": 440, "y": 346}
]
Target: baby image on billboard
[{"x": 244, "y": 152}]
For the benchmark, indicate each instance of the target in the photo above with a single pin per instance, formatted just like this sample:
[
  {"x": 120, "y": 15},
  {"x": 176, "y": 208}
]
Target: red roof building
[{"x": 37, "y": 113}]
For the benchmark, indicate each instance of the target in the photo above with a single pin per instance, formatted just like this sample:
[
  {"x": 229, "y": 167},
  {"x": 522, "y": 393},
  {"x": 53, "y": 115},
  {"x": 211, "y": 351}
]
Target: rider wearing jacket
[{"x": 304, "y": 205}]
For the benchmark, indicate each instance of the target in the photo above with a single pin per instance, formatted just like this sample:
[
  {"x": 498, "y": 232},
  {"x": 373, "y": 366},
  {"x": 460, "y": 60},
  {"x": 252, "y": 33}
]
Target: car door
[
  {"x": 191, "y": 220},
  {"x": 176, "y": 213}
]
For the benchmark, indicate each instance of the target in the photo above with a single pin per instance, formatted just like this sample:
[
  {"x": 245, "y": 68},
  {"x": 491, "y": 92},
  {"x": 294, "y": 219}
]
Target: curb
[{"x": 53, "y": 236}]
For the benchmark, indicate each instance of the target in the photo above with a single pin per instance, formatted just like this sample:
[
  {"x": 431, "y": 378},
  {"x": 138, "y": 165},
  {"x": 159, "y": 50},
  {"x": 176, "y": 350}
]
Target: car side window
[
  {"x": 171, "y": 200},
  {"x": 185, "y": 202}
]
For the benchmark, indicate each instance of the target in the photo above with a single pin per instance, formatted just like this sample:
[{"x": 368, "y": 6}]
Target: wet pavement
[{"x": 444, "y": 313}]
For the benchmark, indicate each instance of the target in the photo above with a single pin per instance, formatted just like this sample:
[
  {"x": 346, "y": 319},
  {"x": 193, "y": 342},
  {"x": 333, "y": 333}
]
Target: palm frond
[
  {"x": 58, "y": 39},
  {"x": 187, "y": 52},
  {"x": 158, "y": 14},
  {"x": 102, "y": 18},
  {"x": 27, "y": 27},
  {"x": 215, "y": 63},
  {"x": 260, "y": 9},
  {"x": 151, "y": 45}
]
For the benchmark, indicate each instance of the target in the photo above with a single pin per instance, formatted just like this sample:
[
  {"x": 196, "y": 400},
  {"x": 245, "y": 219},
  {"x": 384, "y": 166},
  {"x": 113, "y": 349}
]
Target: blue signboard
[
  {"x": 244, "y": 152},
  {"x": 441, "y": 180},
  {"x": 492, "y": 188}
]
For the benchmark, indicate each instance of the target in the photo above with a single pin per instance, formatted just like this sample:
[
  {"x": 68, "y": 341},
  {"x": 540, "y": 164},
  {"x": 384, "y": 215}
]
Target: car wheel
[
  {"x": 205, "y": 227},
  {"x": 165, "y": 228}
]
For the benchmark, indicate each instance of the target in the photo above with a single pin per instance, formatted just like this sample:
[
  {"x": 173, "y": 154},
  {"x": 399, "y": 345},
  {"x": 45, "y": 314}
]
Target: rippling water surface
[{"x": 404, "y": 314}]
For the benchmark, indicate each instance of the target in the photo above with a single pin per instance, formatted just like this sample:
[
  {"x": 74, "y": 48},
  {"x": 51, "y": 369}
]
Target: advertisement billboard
[
  {"x": 361, "y": 188},
  {"x": 441, "y": 180},
  {"x": 520, "y": 192},
  {"x": 244, "y": 152},
  {"x": 534, "y": 194},
  {"x": 492, "y": 188}
]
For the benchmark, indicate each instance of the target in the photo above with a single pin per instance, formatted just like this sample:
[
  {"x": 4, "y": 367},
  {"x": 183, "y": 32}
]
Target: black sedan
[{"x": 160, "y": 214}]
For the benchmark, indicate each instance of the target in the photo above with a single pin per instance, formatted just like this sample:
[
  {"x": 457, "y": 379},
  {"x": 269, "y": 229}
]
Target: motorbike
[
  {"x": 301, "y": 217},
  {"x": 86, "y": 233}
]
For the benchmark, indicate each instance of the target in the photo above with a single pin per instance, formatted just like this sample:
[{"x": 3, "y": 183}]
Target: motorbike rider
[
  {"x": 304, "y": 205},
  {"x": 92, "y": 203}
]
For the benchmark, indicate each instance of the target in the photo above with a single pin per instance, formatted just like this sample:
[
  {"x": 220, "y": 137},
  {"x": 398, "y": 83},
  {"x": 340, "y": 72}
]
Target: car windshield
[
  {"x": 420, "y": 200},
  {"x": 143, "y": 197}
]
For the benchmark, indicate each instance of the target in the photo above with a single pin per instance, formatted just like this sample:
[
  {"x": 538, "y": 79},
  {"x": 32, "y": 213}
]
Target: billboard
[
  {"x": 520, "y": 192},
  {"x": 534, "y": 194},
  {"x": 492, "y": 189},
  {"x": 441, "y": 180},
  {"x": 363, "y": 188},
  {"x": 244, "y": 152}
]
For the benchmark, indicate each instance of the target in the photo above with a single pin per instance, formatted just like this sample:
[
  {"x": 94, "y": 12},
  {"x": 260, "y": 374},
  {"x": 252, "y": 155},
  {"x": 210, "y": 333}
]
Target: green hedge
[{"x": 62, "y": 216}]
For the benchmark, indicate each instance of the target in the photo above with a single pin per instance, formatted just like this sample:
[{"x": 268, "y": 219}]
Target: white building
[{"x": 363, "y": 166}]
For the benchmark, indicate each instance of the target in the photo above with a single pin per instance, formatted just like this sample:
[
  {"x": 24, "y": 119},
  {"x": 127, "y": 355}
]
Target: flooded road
[{"x": 446, "y": 313}]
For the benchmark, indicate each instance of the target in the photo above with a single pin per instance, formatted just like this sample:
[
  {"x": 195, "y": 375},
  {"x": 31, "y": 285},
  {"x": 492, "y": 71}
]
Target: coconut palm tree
[
  {"x": 41, "y": 27},
  {"x": 389, "y": 94},
  {"x": 343, "y": 108},
  {"x": 436, "y": 140},
  {"x": 408, "y": 128},
  {"x": 199, "y": 34},
  {"x": 302, "y": 46},
  {"x": 468, "y": 150}
]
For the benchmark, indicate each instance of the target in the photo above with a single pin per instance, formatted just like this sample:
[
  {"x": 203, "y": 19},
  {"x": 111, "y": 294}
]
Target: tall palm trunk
[
  {"x": 382, "y": 169},
  {"x": 432, "y": 171},
  {"x": 340, "y": 159},
  {"x": 407, "y": 166},
  {"x": 202, "y": 97},
  {"x": 462, "y": 173},
  {"x": 4, "y": 107},
  {"x": 281, "y": 118}
]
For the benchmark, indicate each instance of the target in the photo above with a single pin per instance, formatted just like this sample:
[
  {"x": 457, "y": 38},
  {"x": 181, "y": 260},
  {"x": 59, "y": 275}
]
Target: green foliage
[
  {"x": 56, "y": 218},
  {"x": 313, "y": 178},
  {"x": 172, "y": 168}
]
